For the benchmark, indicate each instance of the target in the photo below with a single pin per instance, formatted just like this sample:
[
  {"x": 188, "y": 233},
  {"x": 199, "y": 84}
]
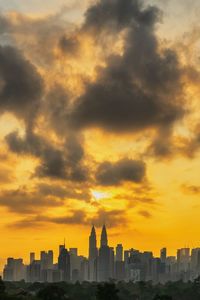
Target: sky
[{"x": 99, "y": 123}]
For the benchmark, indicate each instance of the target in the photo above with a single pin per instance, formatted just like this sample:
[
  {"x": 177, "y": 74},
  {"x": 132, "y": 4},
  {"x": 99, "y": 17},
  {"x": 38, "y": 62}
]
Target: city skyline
[
  {"x": 85, "y": 251},
  {"x": 99, "y": 122},
  {"x": 104, "y": 263}
]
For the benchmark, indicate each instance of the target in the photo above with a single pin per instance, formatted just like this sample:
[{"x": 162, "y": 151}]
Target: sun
[{"x": 98, "y": 195}]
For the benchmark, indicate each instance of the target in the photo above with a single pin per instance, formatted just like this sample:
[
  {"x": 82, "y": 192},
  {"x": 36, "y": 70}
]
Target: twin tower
[
  {"x": 93, "y": 250},
  {"x": 100, "y": 260}
]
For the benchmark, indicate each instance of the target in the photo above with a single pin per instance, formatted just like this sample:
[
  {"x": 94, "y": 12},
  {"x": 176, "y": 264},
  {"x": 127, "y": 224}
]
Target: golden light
[{"x": 98, "y": 195}]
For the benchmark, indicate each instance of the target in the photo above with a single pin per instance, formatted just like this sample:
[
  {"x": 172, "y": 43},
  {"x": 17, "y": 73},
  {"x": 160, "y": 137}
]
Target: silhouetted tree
[
  {"x": 2, "y": 289},
  {"x": 107, "y": 291},
  {"x": 162, "y": 297},
  {"x": 52, "y": 292}
]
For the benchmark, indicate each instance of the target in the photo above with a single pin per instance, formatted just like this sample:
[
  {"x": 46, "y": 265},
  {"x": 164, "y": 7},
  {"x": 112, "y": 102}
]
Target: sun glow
[{"x": 100, "y": 195}]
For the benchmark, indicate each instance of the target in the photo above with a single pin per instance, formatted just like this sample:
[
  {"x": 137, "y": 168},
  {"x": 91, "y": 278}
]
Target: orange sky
[{"x": 71, "y": 155}]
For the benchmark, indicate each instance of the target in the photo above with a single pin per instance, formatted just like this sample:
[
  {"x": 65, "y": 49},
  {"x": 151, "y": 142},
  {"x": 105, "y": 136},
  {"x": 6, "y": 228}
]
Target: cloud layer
[{"x": 111, "y": 73}]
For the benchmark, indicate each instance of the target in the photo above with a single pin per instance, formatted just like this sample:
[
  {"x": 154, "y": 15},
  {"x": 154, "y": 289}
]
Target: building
[
  {"x": 163, "y": 255},
  {"x": 103, "y": 264},
  {"x": 93, "y": 254},
  {"x": 64, "y": 263},
  {"x": 14, "y": 270}
]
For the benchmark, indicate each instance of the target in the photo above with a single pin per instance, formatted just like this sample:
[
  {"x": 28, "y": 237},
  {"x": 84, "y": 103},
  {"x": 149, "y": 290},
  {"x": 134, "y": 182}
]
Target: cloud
[
  {"x": 20, "y": 84},
  {"x": 145, "y": 214},
  {"x": 7, "y": 174},
  {"x": 77, "y": 217},
  {"x": 68, "y": 191},
  {"x": 111, "y": 218},
  {"x": 28, "y": 200},
  {"x": 61, "y": 163},
  {"x": 119, "y": 14},
  {"x": 4, "y": 24},
  {"x": 25, "y": 201},
  {"x": 125, "y": 170},
  {"x": 137, "y": 89},
  {"x": 191, "y": 189},
  {"x": 69, "y": 44}
]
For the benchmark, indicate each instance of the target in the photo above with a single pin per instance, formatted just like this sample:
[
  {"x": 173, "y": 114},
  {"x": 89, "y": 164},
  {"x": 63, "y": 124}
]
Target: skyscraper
[
  {"x": 163, "y": 255},
  {"x": 93, "y": 253},
  {"x": 32, "y": 257},
  {"x": 119, "y": 263},
  {"x": 64, "y": 263},
  {"x": 119, "y": 252},
  {"x": 104, "y": 268},
  {"x": 92, "y": 244},
  {"x": 104, "y": 239}
]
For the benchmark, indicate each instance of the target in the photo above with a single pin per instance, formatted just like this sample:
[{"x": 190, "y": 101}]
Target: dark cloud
[
  {"x": 162, "y": 145},
  {"x": 25, "y": 201},
  {"x": 57, "y": 108},
  {"x": 52, "y": 160},
  {"x": 4, "y": 25},
  {"x": 20, "y": 84},
  {"x": 7, "y": 174},
  {"x": 64, "y": 192},
  {"x": 31, "y": 200},
  {"x": 61, "y": 163},
  {"x": 138, "y": 89},
  {"x": 77, "y": 217},
  {"x": 116, "y": 15},
  {"x": 191, "y": 145},
  {"x": 44, "y": 34},
  {"x": 69, "y": 44},
  {"x": 74, "y": 217},
  {"x": 121, "y": 171},
  {"x": 112, "y": 218},
  {"x": 166, "y": 146}
]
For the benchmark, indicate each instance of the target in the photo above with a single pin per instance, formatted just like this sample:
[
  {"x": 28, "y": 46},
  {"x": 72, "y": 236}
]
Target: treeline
[{"x": 105, "y": 291}]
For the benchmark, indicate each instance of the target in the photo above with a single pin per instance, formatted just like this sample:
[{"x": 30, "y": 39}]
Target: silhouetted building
[
  {"x": 64, "y": 263},
  {"x": 32, "y": 257},
  {"x": 104, "y": 263},
  {"x": 163, "y": 255},
  {"x": 93, "y": 253},
  {"x": 183, "y": 259},
  {"x": 14, "y": 270},
  {"x": 104, "y": 238},
  {"x": 119, "y": 252},
  {"x": 34, "y": 271}
]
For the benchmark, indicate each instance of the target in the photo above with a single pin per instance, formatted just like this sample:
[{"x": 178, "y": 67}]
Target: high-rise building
[
  {"x": 93, "y": 244},
  {"x": 14, "y": 270},
  {"x": 195, "y": 263},
  {"x": 183, "y": 259},
  {"x": 104, "y": 268},
  {"x": 119, "y": 252},
  {"x": 64, "y": 263},
  {"x": 34, "y": 271},
  {"x": 32, "y": 257},
  {"x": 104, "y": 239},
  {"x": 75, "y": 263},
  {"x": 50, "y": 259},
  {"x": 73, "y": 251},
  {"x": 163, "y": 255},
  {"x": 93, "y": 253},
  {"x": 126, "y": 263}
]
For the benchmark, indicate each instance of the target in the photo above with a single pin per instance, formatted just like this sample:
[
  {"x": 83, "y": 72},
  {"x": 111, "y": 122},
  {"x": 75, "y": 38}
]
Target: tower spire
[
  {"x": 104, "y": 239},
  {"x": 92, "y": 243}
]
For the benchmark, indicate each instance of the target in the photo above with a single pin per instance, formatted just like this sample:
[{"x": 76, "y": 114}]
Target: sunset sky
[{"x": 99, "y": 122}]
